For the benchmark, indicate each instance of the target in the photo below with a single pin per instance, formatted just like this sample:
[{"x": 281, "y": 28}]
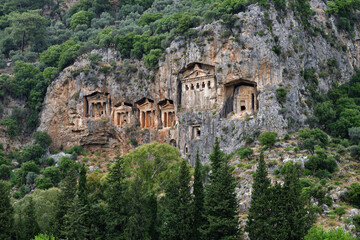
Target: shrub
[
  {"x": 53, "y": 174},
  {"x": 353, "y": 195},
  {"x": 245, "y": 152},
  {"x": 340, "y": 211},
  {"x": 76, "y": 149},
  {"x": 5, "y": 172},
  {"x": 268, "y": 138},
  {"x": 43, "y": 183},
  {"x": 354, "y": 150},
  {"x": 81, "y": 18},
  {"x": 318, "y": 233},
  {"x": 152, "y": 58},
  {"x": 43, "y": 139},
  {"x": 281, "y": 94},
  {"x": 354, "y": 134}
]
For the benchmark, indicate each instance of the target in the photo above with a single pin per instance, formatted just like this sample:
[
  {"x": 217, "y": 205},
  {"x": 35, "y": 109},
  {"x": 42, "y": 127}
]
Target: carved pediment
[{"x": 196, "y": 74}]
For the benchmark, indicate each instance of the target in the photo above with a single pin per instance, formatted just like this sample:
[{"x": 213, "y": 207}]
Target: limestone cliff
[{"x": 221, "y": 83}]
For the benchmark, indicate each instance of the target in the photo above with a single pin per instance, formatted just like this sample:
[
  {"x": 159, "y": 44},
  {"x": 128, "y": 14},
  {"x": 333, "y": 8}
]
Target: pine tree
[
  {"x": 220, "y": 200},
  {"x": 116, "y": 201},
  {"x": 198, "y": 204},
  {"x": 6, "y": 213},
  {"x": 30, "y": 226},
  {"x": 257, "y": 224}
]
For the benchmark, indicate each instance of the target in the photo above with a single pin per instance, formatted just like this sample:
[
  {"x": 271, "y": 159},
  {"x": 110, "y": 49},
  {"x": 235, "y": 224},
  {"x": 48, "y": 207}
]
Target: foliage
[
  {"x": 245, "y": 152},
  {"x": 27, "y": 26},
  {"x": 258, "y": 213},
  {"x": 43, "y": 237},
  {"x": 340, "y": 111},
  {"x": 198, "y": 204},
  {"x": 267, "y": 138},
  {"x": 318, "y": 233},
  {"x": 153, "y": 164},
  {"x": 81, "y": 18},
  {"x": 320, "y": 163},
  {"x": 6, "y": 212},
  {"x": 43, "y": 139},
  {"x": 220, "y": 200},
  {"x": 311, "y": 138},
  {"x": 353, "y": 194},
  {"x": 5, "y": 172},
  {"x": 281, "y": 94}
]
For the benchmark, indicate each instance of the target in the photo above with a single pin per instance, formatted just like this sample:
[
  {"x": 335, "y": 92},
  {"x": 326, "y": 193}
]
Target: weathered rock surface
[{"x": 245, "y": 58}]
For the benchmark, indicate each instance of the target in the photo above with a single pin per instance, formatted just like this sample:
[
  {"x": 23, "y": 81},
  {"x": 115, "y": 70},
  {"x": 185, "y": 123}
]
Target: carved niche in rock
[
  {"x": 241, "y": 99},
  {"x": 168, "y": 117},
  {"x": 196, "y": 132},
  {"x": 123, "y": 114},
  {"x": 97, "y": 104},
  {"x": 146, "y": 112},
  {"x": 198, "y": 87}
]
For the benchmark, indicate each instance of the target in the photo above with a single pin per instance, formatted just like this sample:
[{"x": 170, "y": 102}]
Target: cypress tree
[
  {"x": 178, "y": 216},
  {"x": 84, "y": 206},
  {"x": 185, "y": 203},
  {"x": 65, "y": 200},
  {"x": 82, "y": 188},
  {"x": 220, "y": 200},
  {"x": 30, "y": 226},
  {"x": 170, "y": 204},
  {"x": 116, "y": 201},
  {"x": 6, "y": 212},
  {"x": 257, "y": 224},
  {"x": 198, "y": 204},
  {"x": 142, "y": 211},
  {"x": 297, "y": 219},
  {"x": 74, "y": 223}
]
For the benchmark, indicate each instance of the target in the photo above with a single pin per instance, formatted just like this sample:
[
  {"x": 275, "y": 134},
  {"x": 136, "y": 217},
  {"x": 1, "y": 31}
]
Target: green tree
[
  {"x": 81, "y": 18},
  {"x": 43, "y": 183},
  {"x": 220, "y": 199},
  {"x": 5, "y": 172},
  {"x": 257, "y": 224},
  {"x": 139, "y": 220},
  {"x": 74, "y": 221},
  {"x": 51, "y": 56},
  {"x": 53, "y": 174},
  {"x": 27, "y": 26},
  {"x": 199, "y": 198},
  {"x": 297, "y": 221},
  {"x": 268, "y": 138},
  {"x": 170, "y": 204},
  {"x": 185, "y": 203},
  {"x": 30, "y": 225},
  {"x": 43, "y": 139},
  {"x": 64, "y": 202},
  {"x": 6, "y": 213},
  {"x": 116, "y": 201}
]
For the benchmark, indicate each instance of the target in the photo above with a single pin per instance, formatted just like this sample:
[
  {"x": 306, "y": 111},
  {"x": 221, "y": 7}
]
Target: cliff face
[{"x": 221, "y": 83}]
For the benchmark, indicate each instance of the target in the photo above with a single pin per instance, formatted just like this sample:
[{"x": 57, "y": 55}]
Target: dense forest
[{"x": 150, "y": 192}]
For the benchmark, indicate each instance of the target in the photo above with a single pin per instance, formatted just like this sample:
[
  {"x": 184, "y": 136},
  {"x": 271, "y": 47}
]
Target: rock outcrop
[{"x": 221, "y": 83}]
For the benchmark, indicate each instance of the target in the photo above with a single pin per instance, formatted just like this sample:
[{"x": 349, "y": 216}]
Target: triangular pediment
[{"x": 196, "y": 73}]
